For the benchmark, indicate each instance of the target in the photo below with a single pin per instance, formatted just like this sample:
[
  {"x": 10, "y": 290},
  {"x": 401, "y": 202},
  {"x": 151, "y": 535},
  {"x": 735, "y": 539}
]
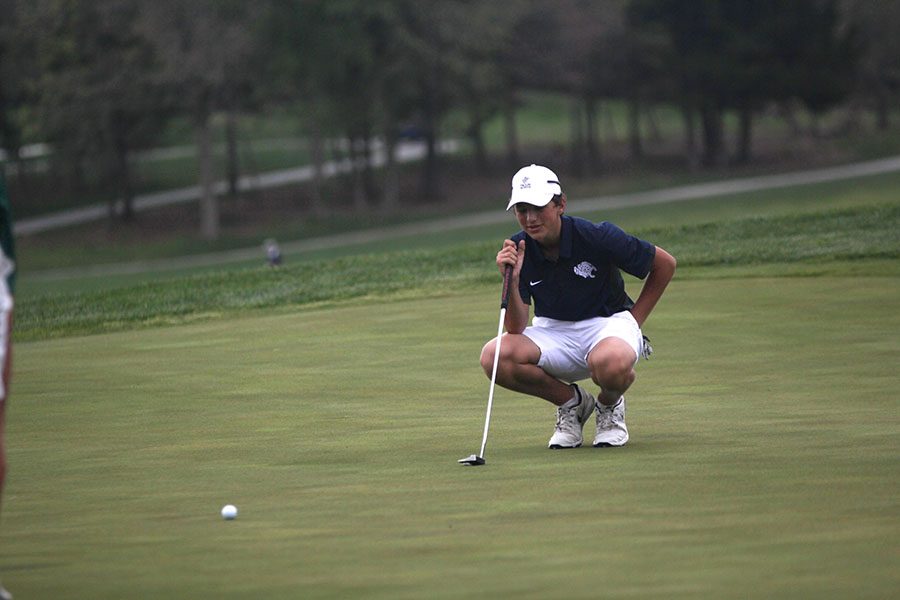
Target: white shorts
[{"x": 565, "y": 345}]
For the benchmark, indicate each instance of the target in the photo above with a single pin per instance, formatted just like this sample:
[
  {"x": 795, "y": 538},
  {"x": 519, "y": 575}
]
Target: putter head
[{"x": 471, "y": 461}]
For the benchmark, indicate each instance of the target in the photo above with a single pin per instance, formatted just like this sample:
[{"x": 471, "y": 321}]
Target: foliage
[
  {"x": 97, "y": 97},
  {"x": 745, "y": 54},
  {"x": 106, "y": 74}
]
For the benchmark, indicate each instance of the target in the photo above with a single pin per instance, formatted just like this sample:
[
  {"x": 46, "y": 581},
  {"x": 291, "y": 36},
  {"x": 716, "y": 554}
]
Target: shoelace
[
  {"x": 606, "y": 419},
  {"x": 606, "y": 416},
  {"x": 566, "y": 416}
]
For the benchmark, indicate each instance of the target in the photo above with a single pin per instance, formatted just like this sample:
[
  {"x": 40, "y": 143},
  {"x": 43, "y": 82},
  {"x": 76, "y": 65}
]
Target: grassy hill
[{"x": 858, "y": 239}]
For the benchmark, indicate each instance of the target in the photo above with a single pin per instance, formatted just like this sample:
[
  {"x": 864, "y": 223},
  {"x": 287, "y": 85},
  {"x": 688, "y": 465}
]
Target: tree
[
  {"x": 591, "y": 53},
  {"x": 742, "y": 54},
  {"x": 344, "y": 62},
  {"x": 528, "y": 61},
  {"x": 205, "y": 47},
  {"x": 877, "y": 24},
  {"x": 821, "y": 63},
  {"x": 97, "y": 99},
  {"x": 17, "y": 69},
  {"x": 487, "y": 28}
]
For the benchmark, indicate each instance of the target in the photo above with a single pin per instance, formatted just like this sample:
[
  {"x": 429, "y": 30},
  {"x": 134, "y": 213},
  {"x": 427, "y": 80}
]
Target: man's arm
[
  {"x": 661, "y": 272},
  {"x": 517, "y": 311}
]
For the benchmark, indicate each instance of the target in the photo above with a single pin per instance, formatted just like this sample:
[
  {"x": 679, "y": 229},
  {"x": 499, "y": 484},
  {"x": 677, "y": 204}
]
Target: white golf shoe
[
  {"x": 4, "y": 595},
  {"x": 570, "y": 421},
  {"x": 611, "y": 428}
]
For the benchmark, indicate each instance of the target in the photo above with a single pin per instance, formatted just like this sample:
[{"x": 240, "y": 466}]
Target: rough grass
[{"x": 786, "y": 243}]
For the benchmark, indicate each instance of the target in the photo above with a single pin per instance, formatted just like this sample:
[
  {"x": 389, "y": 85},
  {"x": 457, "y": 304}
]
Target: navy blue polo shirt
[{"x": 586, "y": 280}]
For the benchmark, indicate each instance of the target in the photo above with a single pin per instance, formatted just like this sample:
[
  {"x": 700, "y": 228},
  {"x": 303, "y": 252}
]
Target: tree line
[{"x": 98, "y": 80}]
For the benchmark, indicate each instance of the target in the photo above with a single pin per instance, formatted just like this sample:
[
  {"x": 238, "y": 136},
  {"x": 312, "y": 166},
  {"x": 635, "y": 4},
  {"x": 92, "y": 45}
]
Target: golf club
[{"x": 478, "y": 459}]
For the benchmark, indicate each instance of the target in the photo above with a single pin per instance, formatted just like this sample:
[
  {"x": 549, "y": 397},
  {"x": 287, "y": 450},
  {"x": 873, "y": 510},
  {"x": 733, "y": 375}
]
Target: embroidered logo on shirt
[
  {"x": 585, "y": 269},
  {"x": 535, "y": 282}
]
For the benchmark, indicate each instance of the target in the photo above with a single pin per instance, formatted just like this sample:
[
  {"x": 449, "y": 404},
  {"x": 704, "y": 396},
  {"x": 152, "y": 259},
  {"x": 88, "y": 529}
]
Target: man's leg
[
  {"x": 611, "y": 363},
  {"x": 518, "y": 370}
]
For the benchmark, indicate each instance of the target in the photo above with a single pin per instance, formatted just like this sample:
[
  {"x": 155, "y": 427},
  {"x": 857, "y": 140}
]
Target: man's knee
[
  {"x": 514, "y": 349},
  {"x": 612, "y": 364},
  {"x": 507, "y": 353},
  {"x": 487, "y": 356}
]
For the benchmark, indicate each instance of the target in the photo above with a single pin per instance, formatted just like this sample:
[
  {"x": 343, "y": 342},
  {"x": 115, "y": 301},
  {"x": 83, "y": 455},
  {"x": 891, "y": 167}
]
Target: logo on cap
[{"x": 525, "y": 184}]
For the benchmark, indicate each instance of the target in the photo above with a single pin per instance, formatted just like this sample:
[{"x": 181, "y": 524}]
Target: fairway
[{"x": 763, "y": 460}]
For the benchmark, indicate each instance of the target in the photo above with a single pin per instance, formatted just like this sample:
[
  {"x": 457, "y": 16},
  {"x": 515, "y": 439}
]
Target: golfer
[
  {"x": 7, "y": 280},
  {"x": 585, "y": 325}
]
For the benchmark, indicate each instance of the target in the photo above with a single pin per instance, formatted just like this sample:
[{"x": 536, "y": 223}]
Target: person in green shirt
[{"x": 7, "y": 287}]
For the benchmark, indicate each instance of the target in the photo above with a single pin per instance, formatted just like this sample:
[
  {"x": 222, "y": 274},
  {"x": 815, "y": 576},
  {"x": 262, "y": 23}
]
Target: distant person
[
  {"x": 585, "y": 325},
  {"x": 273, "y": 253},
  {"x": 7, "y": 284}
]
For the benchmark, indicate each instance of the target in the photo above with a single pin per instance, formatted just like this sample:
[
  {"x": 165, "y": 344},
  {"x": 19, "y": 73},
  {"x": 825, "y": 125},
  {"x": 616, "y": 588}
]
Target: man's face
[{"x": 543, "y": 224}]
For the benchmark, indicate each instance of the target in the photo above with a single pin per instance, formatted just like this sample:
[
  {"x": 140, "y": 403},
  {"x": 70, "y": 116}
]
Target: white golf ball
[{"x": 229, "y": 511}]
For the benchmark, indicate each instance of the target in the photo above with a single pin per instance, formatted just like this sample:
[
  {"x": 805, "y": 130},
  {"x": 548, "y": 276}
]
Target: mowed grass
[{"x": 763, "y": 460}]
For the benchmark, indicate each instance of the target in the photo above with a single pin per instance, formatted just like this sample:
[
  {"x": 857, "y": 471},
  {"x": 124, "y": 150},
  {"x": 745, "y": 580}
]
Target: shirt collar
[{"x": 565, "y": 239}]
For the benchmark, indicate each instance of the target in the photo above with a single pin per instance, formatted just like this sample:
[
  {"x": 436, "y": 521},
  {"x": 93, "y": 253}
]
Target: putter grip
[{"x": 504, "y": 295}]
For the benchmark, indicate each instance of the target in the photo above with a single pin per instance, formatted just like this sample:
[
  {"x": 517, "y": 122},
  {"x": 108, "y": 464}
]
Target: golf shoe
[
  {"x": 611, "y": 428},
  {"x": 570, "y": 420}
]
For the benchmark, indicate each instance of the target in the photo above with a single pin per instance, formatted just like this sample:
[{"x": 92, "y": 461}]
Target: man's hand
[{"x": 511, "y": 255}]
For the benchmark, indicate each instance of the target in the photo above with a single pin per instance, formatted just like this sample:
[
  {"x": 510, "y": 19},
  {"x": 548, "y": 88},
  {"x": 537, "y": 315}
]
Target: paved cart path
[
  {"x": 406, "y": 152},
  {"x": 672, "y": 194}
]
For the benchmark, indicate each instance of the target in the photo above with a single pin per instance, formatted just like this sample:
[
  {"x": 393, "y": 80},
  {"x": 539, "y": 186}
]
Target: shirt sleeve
[{"x": 629, "y": 253}]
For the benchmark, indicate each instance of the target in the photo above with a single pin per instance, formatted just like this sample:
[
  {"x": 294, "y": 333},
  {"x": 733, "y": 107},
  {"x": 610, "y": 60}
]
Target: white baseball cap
[{"x": 535, "y": 185}]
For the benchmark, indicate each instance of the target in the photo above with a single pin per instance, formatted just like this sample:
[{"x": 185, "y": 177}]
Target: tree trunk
[
  {"x": 123, "y": 179},
  {"x": 653, "y": 123},
  {"x": 591, "y": 142},
  {"x": 430, "y": 186},
  {"x": 790, "y": 116},
  {"x": 430, "y": 173},
  {"x": 317, "y": 149},
  {"x": 690, "y": 137},
  {"x": 882, "y": 110},
  {"x": 357, "y": 157},
  {"x": 609, "y": 125},
  {"x": 391, "y": 193},
  {"x": 634, "y": 128},
  {"x": 232, "y": 167},
  {"x": 512, "y": 133},
  {"x": 209, "y": 204},
  {"x": 23, "y": 187},
  {"x": 476, "y": 136},
  {"x": 713, "y": 139},
  {"x": 745, "y": 137},
  {"x": 368, "y": 159},
  {"x": 577, "y": 139}
]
